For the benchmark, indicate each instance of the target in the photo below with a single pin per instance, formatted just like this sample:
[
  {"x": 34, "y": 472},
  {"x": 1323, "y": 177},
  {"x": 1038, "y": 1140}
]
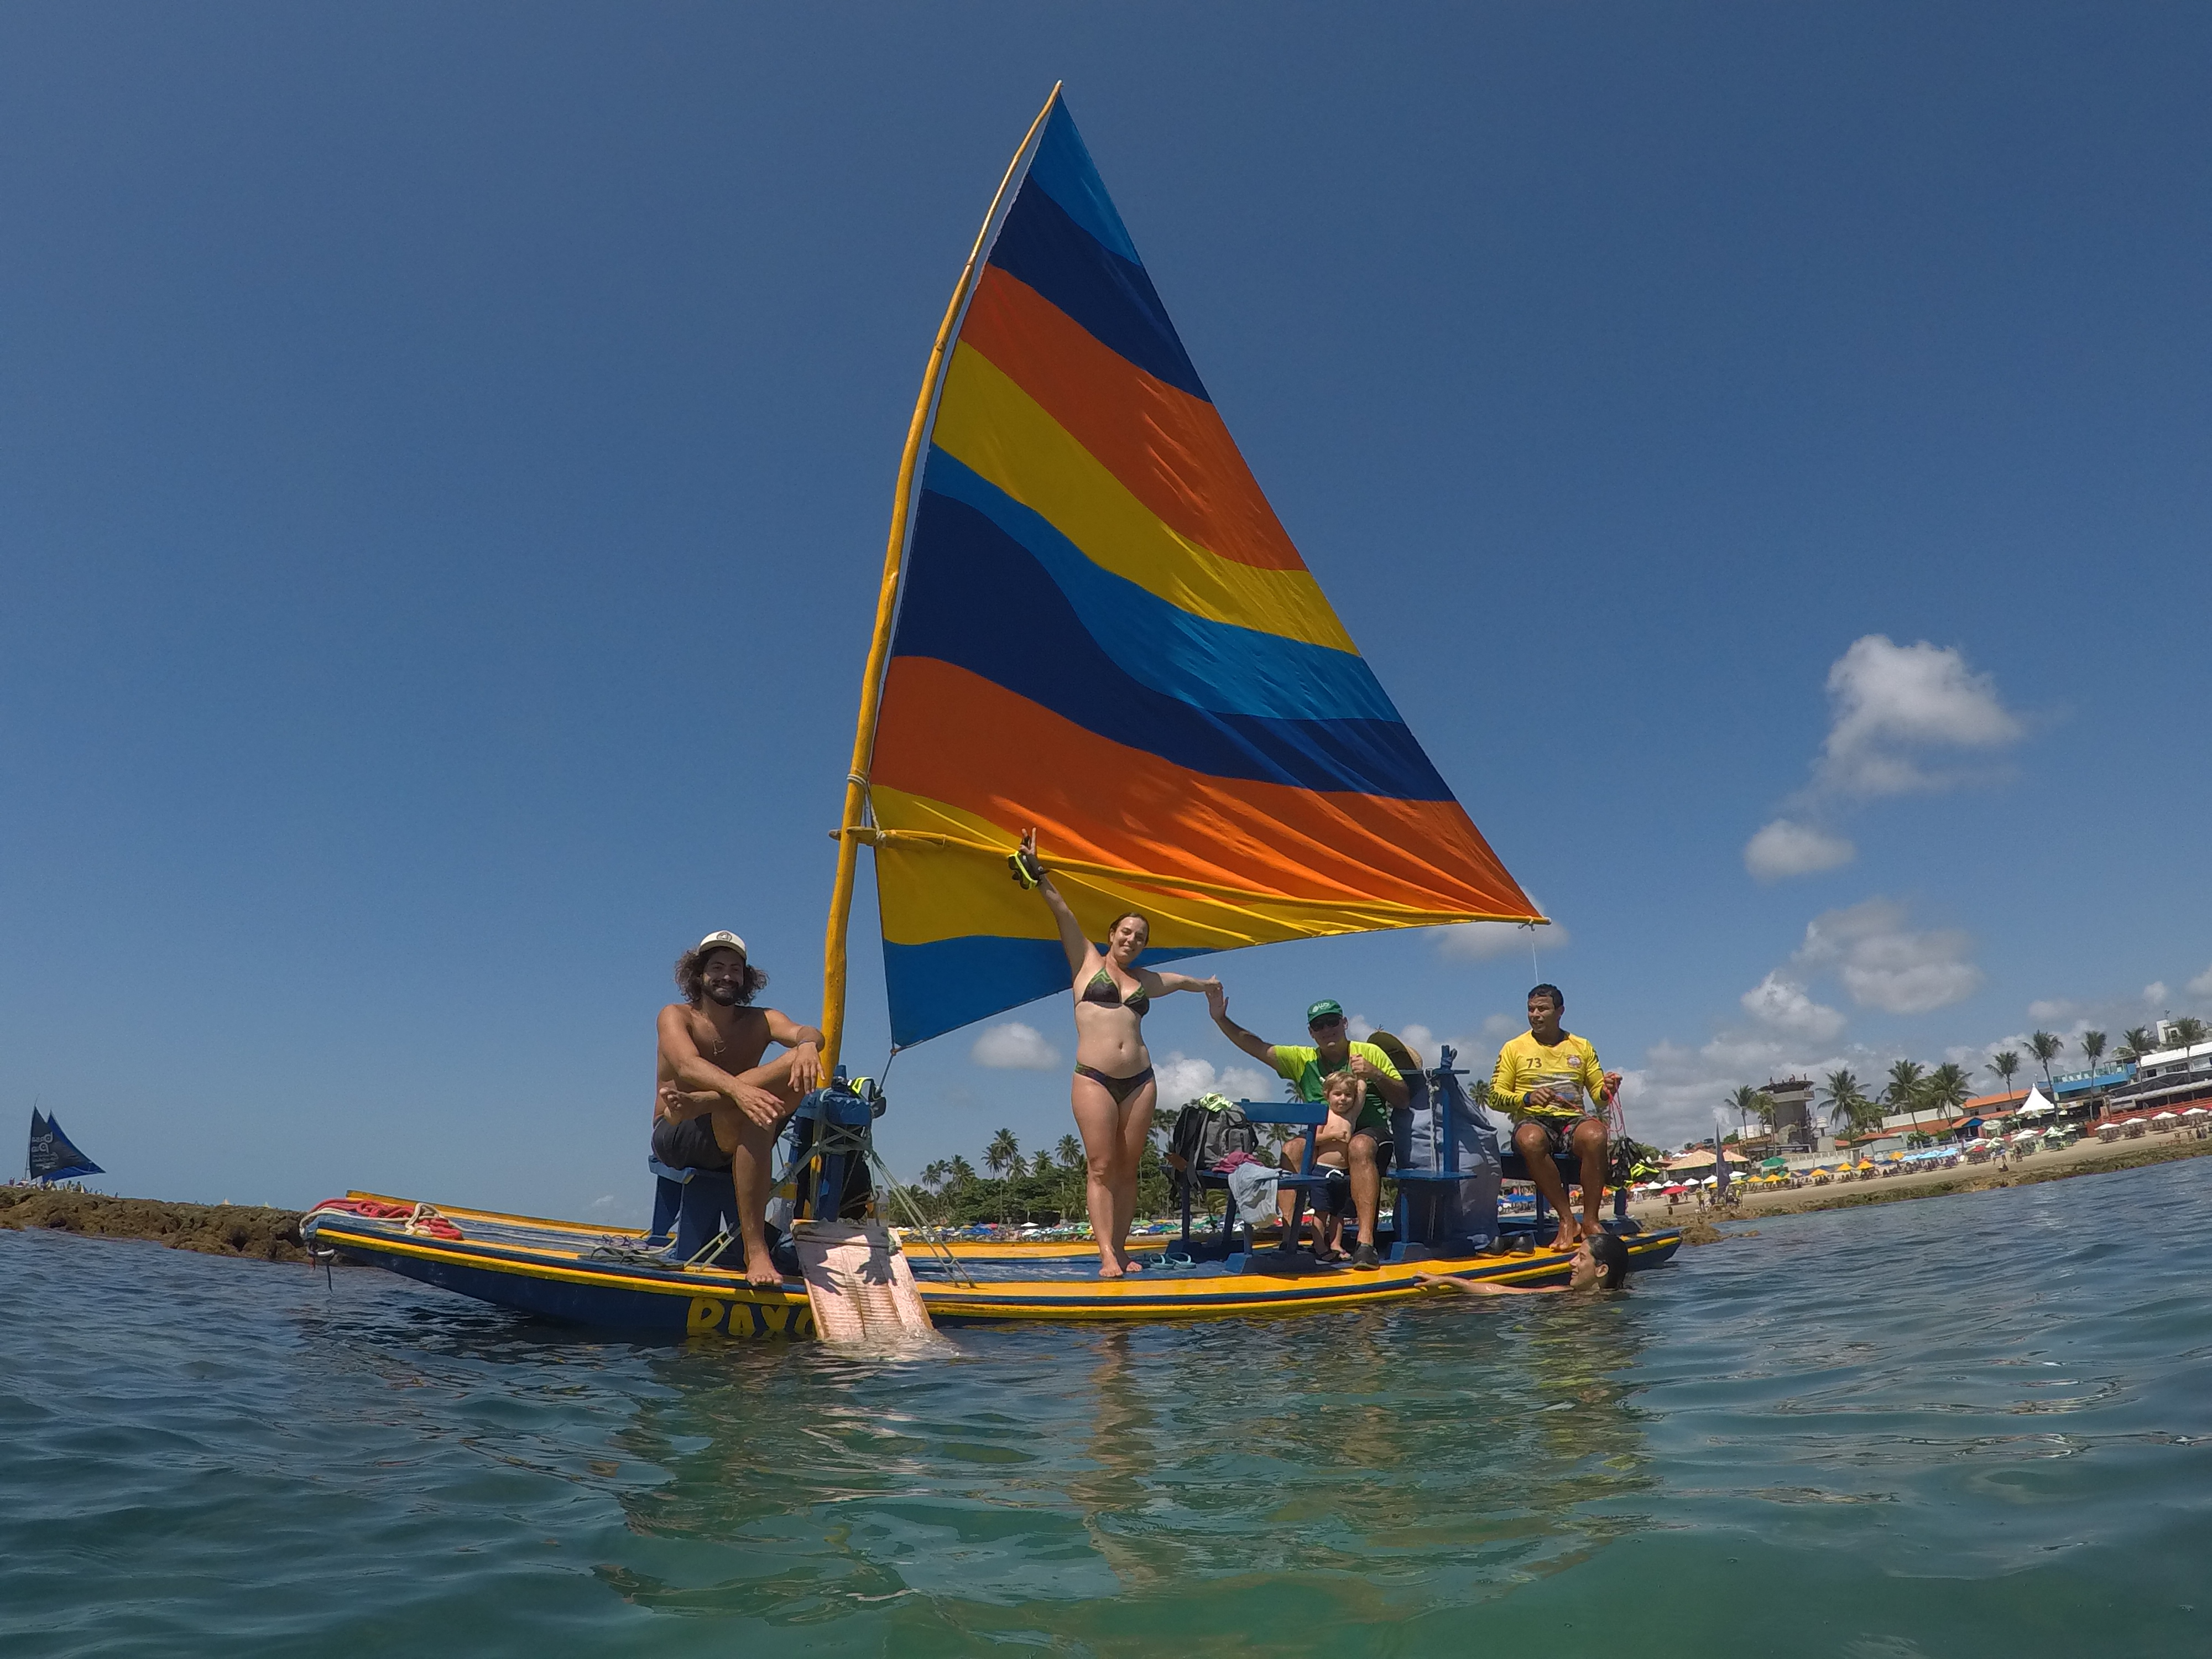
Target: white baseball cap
[{"x": 722, "y": 940}]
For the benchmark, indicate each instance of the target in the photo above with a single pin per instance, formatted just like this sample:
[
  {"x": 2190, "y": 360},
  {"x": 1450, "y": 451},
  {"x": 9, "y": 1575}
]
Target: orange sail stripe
[
  {"x": 950, "y": 736},
  {"x": 1169, "y": 449}
]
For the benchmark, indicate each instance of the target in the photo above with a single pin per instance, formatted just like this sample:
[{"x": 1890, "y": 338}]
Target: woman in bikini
[{"x": 1114, "y": 1092}]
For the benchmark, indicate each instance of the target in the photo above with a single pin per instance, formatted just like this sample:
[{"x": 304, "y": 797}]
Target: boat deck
[{"x": 605, "y": 1277}]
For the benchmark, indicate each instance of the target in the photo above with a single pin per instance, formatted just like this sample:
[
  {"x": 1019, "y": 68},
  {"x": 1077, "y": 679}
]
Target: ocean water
[{"x": 1978, "y": 1425}]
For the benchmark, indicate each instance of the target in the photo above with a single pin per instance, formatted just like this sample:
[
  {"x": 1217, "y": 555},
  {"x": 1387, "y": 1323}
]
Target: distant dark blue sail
[{"x": 54, "y": 1157}]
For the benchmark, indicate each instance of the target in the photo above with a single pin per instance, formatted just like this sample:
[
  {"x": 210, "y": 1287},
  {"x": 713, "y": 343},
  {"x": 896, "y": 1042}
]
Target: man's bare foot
[
  {"x": 1130, "y": 1264},
  {"x": 764, "y": 1274}
]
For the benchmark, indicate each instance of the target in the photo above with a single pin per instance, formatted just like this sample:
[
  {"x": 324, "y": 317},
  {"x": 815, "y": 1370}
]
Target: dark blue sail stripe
[
  {"x": 1062, "y": 168},
  {"x": 1110, "y": 298},
  {"x": 976, "y": 598},
  {"x": 1207, "y": 664}
]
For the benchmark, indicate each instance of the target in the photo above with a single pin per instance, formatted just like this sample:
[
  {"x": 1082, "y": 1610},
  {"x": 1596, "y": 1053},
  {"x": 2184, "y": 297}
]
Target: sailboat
[{"x": 1091, "y": 621}]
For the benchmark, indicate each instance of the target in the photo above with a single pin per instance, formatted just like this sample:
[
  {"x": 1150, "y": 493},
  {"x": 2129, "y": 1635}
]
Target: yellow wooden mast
[{"x": 852, "y": 826}]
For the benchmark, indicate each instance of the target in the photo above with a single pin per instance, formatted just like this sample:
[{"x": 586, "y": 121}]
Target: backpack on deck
[{"x": 1204, "y": 1133}]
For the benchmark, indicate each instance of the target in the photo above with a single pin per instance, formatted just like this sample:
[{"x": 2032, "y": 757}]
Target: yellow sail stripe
[{"x": 997, "y": 431}]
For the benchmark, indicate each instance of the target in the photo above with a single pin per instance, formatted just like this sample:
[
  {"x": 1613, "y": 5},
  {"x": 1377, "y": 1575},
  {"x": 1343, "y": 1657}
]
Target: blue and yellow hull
[{"x": 548, "y": 1269}]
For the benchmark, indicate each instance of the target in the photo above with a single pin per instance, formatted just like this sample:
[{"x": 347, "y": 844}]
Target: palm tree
[
  {"x": 960, "y": 1171},
  {"x": 933, "y": 1175},
  {"x": 2045, "y": 1048},
  {"x": 1748, "y": 1102},
  {"x": 2135, "y": 1043},
  {"x": 1844, "y": 1099},
  {"x": 1947, "y": 1088},
  {"x": 1003, "y": 1151},
  {"x": 1070, "y": 1152},
  {"x": 2092, "y": 1048},
  {"x": 1906, "y": 1086},
  {"x": 2189, "y": 1029},
  {"x": 2004, "y": 1065}
]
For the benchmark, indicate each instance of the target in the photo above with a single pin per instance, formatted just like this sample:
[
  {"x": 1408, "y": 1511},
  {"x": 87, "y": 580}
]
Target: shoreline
[
  {"x": 2085, "y": 1158},
  {"x": 260, "y": 1233}
]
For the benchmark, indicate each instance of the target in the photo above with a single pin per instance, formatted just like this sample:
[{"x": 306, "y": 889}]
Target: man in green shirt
[{"x": 1309, "y": 1066}]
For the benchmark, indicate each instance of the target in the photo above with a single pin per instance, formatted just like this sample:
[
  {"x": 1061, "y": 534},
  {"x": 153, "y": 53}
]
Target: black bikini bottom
[{"x": 1120, "y": 1087}]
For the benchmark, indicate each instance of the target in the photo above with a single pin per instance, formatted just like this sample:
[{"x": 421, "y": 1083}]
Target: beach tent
[{"x": 2038, "y": 1104}]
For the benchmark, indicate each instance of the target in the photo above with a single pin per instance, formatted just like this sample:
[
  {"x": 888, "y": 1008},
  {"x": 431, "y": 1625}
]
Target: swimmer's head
[{"x": 1600, "y": 1261}]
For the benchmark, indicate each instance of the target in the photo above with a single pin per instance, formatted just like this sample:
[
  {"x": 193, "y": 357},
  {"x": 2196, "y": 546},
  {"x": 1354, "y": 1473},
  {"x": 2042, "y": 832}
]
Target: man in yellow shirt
[{"x": 1549, "y": 1079}]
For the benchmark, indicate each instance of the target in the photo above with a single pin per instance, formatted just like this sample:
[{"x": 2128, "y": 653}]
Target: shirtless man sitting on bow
[{"x": 715, "y": 1105}]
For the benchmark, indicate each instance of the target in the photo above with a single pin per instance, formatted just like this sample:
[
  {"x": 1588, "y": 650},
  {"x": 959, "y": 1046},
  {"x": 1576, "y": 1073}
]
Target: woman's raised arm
[{"x": 1027, "y": 864}]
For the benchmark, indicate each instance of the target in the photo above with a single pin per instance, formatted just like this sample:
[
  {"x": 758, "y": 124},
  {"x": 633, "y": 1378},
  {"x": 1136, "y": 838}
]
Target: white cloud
[
  {"x": 1895, "y": 702},
  {"x": 2044, "y": 1013},
  {"x": 1358, "y": 1027},
  {"x": 1783, "y": 1005},
  {"x": 1786, "y": 847},
  {"x": 1184, "y": 1080},
  {"x": 1486, "y": 941},
  {"x": 1679, "y": 1093},
  {"x": 1014, "y": 1047},
  {"x": 2155, "y": 995},
  {"x": 2202, "y": 985},
  {"x": 1885, "y": 965},
  {"x": 604, "y": 1201},
  {"x": 1498, "y": 1027}
]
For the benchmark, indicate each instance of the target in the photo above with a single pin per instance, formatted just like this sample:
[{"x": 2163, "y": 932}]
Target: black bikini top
[{"x": 1106, "y": 994}]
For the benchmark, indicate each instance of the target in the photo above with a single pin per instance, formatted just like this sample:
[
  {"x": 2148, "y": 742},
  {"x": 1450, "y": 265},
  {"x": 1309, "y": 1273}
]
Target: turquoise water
[{"x": 1969, "y": 1425}]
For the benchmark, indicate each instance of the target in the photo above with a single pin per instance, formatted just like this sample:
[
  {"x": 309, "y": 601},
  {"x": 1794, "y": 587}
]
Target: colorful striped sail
[{"x": 1103, "y": 631}]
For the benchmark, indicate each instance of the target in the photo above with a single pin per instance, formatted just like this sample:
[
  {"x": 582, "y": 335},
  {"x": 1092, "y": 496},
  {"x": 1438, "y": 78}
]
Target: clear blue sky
[{"x": 445, "y": 454}]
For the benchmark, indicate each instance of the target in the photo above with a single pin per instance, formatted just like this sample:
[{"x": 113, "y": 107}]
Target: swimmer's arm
[{"x": 1480, "y": 1286}]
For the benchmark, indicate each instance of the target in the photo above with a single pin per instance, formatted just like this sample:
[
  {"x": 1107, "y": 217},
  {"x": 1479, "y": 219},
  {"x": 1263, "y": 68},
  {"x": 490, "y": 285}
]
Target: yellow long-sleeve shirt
[{"x": 1570, "y": 1066}]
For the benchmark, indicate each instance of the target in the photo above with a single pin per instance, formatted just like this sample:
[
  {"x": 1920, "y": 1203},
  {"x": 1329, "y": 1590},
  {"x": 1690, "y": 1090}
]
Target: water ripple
[{"x": 1965, "y": 1425}]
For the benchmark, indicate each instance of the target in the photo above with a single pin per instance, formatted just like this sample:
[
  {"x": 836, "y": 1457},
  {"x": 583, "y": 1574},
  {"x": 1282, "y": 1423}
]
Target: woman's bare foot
[
  {"x": 1130, "y": 1264},
  {"x": 1110, "y": 1270}
]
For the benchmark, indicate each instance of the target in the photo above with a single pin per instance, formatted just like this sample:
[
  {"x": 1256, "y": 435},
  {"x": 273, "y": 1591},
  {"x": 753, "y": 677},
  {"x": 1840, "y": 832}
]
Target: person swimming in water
[
  {"x": 1114, "y": 1092},
  {"x": 1599, "y": 1263}
]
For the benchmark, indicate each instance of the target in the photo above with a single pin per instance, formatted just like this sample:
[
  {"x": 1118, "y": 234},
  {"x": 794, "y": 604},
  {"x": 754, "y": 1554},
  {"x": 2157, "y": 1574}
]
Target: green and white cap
[{"x": 1327, "y": 1008}]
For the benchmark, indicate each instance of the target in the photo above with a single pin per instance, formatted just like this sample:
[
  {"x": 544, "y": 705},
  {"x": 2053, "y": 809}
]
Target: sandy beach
[{"x": 2087, "y": 1157}]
